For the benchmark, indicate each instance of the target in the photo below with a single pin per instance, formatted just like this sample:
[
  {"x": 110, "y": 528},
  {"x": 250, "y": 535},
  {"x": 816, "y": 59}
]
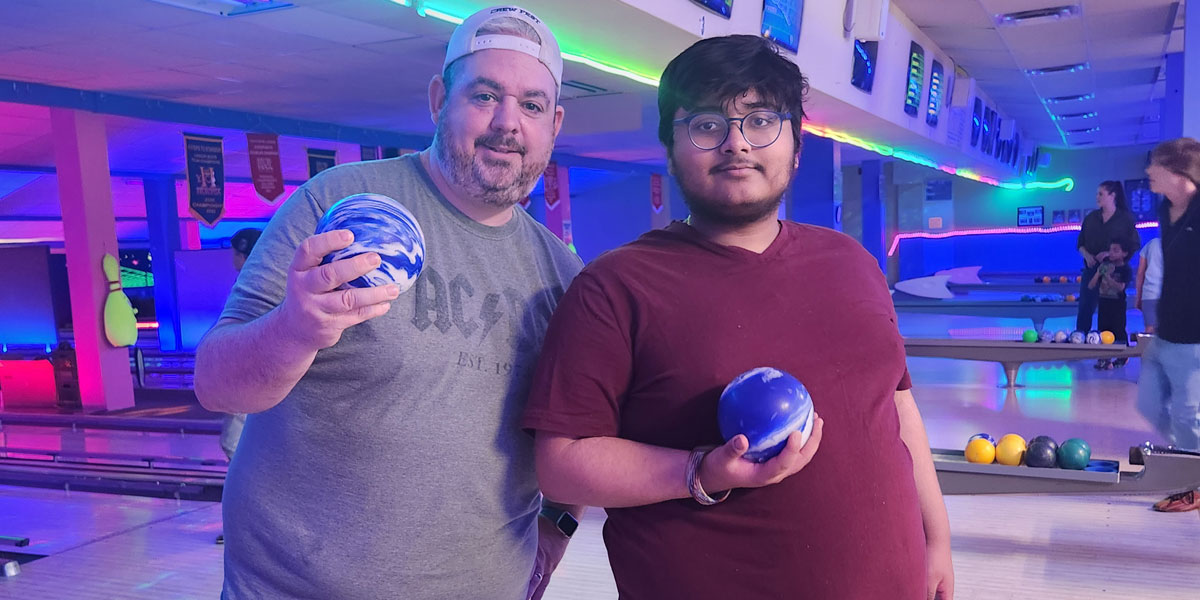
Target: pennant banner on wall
[
  {"x": 265, "y": 170},
  {"x": 319, "y": 160},
  {"x": 656, "y": 200},
  {"x": 550, "y": 185},
  {"x": 524, "y": 202},
  {"x": 206, "y": 177}
]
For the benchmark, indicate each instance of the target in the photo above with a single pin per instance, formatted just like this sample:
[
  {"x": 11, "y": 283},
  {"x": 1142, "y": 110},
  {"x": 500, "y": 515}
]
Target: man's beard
[
  {"x": 465, "y": 170},
  {"x": 721, "y": 212}
]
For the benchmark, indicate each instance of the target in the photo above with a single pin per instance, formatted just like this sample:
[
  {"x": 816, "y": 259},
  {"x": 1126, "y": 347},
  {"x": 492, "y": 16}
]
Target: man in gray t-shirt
[{"x": 382, "y": 457}]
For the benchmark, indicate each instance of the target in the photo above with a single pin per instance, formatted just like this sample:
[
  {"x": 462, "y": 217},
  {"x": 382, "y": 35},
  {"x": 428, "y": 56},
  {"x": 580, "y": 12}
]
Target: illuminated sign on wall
[
  {"x": 916, "y": 79},
  {"x": 935, "y": 94}
]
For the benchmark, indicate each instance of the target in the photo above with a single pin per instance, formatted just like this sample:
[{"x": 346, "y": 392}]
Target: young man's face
[
  {"x": 734, "y": 183},
  {"x": 496, "y": 126}
]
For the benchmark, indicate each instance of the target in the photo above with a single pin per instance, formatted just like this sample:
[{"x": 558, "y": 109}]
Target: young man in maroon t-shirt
[{"x": 648, "y": 335}]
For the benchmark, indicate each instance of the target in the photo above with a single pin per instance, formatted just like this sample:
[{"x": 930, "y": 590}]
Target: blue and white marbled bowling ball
[
  {"x": 381, "y": 225},
  {"x": 1078, "y": 337},
  {"x": 1061, "y": 336},
  {"x": 982, "y": 436},
  {"x": 766, "y": 405},
  {"x": 1047, "y": 336},
  {"x": 1093, "y": 337}
]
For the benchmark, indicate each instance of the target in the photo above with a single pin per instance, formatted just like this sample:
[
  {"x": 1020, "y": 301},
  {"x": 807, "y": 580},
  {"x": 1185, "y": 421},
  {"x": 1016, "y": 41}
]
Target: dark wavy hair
[
  {"x": 714, "y": 71},
  {"x": 1118, "y": 191}
]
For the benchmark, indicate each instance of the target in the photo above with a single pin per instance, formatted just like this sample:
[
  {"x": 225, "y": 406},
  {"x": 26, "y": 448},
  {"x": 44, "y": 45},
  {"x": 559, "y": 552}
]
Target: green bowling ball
[
  {"x": 1074, "y": 454},
  {"x": 1030, "y": 336}
]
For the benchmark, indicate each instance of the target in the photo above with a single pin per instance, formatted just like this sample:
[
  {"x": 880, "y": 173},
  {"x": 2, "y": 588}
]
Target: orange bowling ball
[
  {"x": 1107, "y": 337},
  {"x": 980, "y": 451}
]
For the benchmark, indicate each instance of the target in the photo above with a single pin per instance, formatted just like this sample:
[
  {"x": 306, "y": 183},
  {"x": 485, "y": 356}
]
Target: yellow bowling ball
[
  {"x": 1107, "y": 337},
  {"x": 980, "y": 451},
  {"x": 1010, "y": 436},
  {"x": 1011, "y": 450}
]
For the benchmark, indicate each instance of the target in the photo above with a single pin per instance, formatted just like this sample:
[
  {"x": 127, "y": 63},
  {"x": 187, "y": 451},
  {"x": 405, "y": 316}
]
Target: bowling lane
[
  {"x": 203, "y": 446},
  {"x": 105, "y": 546}
]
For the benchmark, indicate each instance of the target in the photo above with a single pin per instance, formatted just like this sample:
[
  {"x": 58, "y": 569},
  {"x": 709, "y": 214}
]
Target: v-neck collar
[{"x": 694, "y": 236}]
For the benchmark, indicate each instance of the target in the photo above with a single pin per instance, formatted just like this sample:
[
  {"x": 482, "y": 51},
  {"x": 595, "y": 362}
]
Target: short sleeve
[
  {"x": 262, "y": 283},
  {"x": 585, "y": 365}
]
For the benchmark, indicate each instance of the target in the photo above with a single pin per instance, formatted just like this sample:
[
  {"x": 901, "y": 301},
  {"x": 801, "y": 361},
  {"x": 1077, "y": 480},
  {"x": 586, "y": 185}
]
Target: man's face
[
  {"x": 734, "y": 183},
  {"x": 496, "y": 126}
]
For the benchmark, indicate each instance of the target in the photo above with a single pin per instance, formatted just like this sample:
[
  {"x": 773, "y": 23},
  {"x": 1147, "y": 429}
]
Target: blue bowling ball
[
  {"x": 381, "y": 225},
  {"x": 766, "y": 405},
  {"x": 1046, "y": 335},
  {"x": 1078, "y": 337}
]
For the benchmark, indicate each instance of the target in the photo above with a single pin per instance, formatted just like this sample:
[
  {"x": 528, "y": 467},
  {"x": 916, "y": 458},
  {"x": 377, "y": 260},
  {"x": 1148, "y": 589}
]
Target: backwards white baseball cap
[{"x": 466, "y": 40}]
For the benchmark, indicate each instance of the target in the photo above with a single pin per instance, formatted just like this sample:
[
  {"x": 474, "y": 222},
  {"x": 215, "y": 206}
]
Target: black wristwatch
[{"x": 563, "y": 520}]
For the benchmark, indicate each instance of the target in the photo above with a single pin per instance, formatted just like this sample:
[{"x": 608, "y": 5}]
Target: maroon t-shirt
[{"x": 642, "y": 345}]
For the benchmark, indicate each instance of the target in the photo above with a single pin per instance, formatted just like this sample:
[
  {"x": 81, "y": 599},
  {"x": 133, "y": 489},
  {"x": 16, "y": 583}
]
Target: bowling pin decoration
[{"x": 120, "y": 324}]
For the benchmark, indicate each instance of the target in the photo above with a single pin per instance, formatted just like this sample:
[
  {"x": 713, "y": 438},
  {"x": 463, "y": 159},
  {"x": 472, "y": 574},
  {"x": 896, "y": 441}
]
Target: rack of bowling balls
[
  {"x": 1058, "y": 279},
  {"x": 1042, "y": 452},
  {"x": 1048, "y": 298},
  {"x": 1061, "y": 336}
]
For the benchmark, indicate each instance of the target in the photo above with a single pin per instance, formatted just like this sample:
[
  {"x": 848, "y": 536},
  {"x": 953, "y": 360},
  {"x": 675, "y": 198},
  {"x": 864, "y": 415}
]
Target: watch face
[{"x": 567, "y": 524}]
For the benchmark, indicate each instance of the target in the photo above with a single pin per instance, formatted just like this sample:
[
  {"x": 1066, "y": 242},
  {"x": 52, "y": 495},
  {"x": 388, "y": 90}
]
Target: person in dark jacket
[{"x": 1169, "y": 387}]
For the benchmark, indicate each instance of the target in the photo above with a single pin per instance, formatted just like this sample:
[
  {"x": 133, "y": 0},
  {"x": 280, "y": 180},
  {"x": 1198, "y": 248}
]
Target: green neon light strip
[{"x": 1066, "y": 183}]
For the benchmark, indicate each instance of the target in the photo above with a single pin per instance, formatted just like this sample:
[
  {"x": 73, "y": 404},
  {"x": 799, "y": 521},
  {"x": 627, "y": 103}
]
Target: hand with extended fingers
[{"x": 315, "y": 309}]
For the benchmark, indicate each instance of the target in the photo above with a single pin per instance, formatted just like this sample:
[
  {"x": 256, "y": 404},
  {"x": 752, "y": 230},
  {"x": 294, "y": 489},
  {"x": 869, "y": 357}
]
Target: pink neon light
[
  {"x": 965, "y": 232},
  {"x": 147, "y": 325}
]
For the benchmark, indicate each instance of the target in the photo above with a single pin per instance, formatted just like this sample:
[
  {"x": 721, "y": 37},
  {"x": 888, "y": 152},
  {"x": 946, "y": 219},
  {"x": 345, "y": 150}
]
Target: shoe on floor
[{"x": 1181, "y": 502}]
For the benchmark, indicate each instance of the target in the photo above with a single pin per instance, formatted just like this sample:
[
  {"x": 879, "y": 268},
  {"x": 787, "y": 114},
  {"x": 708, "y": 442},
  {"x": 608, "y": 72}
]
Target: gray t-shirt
[{"x": 396, "y": 468}]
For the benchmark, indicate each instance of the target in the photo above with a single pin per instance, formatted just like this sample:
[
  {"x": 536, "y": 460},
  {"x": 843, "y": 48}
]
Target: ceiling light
[
  {"x": 1038, "y": 16},
  {"x": 1059, "y": 69},
  {"x": 1061, "y": 99},
  {"x": 227, "y": 8},
  {"x": 1078, "y": 115}
]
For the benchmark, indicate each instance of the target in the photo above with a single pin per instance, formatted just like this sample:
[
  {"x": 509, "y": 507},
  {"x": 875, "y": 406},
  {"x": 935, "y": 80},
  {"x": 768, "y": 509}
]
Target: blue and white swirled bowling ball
[
  {"x": 1093, "y": 337},
  {"x": 381, "y": 225},
  {"x": 1078, "y": 337},
  {"x": 766, "y": 405}
]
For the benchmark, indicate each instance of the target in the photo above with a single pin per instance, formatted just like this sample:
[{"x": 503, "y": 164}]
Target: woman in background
[{"x": 1112, "y": 222}]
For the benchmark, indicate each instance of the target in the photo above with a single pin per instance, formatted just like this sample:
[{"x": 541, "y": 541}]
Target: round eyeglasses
[{"x": 708, "y": 130}]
